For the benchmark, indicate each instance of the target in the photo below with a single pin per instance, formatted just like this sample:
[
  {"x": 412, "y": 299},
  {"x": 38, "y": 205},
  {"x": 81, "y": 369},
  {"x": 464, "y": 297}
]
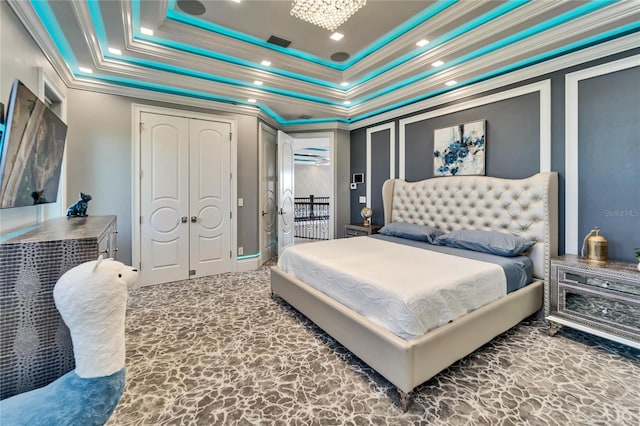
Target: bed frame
[{"x": 526, "y": 207}]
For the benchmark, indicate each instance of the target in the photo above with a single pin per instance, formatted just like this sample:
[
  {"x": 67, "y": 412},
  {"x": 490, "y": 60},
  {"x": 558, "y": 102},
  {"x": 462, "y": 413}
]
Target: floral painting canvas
[{"x": 459, "y": 150}]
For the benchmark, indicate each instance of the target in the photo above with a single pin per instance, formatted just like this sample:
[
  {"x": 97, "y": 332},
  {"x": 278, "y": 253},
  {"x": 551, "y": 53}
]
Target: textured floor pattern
[{"x": 221, "y": 351}]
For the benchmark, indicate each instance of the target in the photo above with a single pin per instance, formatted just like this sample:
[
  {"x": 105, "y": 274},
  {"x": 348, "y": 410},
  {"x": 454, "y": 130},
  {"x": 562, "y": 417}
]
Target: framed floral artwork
[{"x": 459, "y": 150}]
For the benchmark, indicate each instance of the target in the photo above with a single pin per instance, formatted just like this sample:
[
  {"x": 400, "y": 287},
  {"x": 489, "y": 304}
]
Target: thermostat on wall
[{"x": 358, "y": 178}]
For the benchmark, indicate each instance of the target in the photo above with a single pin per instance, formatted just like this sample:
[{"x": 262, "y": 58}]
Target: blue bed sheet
[{"x": 518, "y": 270}]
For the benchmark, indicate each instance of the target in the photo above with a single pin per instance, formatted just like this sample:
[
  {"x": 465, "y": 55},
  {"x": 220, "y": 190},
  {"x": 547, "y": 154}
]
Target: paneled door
[
  {"x": 268, "y": 180},
  {"x": 164, "y": 198},
  {"x": 285, "y": 191},
  {"x": 210, "y": 209},
  {"x": 185, "y": 198}
]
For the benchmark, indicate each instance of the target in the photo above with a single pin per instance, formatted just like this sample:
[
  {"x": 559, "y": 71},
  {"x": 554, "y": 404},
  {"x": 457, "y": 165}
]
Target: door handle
[
  {"x": 183, "y": 219},
  {"x": 281, "y": 212},
  {"x": 194, "y": 219},
  {"x": 264, "y": 213}
]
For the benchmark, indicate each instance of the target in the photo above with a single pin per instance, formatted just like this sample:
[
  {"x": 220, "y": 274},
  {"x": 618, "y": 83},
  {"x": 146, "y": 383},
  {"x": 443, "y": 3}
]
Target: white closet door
[
  {"x": 210, "y": 198},
  {"x": 285, "y": 191},
  {"x": 164, "y": 198}
]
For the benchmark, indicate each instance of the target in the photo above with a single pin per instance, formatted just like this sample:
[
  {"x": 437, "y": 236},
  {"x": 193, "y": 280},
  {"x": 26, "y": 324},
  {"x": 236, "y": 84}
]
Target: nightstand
[
  {"x": 357, "y": 230},
  {"x": 601, "y": 299}
]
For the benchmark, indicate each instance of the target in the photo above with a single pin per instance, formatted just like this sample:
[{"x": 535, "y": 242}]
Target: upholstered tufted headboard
[{"x": 525, "y": 207}]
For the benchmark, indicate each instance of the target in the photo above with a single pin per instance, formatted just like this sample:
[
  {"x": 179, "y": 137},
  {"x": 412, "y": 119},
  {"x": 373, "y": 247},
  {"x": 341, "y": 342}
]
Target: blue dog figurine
[{"x": 79, "y": 208}]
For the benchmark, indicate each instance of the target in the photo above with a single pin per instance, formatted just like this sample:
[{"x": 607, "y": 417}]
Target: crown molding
[
  {"x": 285, "y": 104},
  {"x": 619, "y": 45},
  {"x": 30, "y": 20},
  {"x": 544, "y": 40},
  {"x": 458, "y": 46},
  {"x": 334, "y": 125},
  {"x": 142, "y": 95},
  {"x": 209, "y": 40},
  {"x": 436, "y": 25}
]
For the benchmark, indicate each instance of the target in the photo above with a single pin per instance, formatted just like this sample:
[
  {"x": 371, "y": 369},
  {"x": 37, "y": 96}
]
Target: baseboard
[{"x": 245, "y": 265}]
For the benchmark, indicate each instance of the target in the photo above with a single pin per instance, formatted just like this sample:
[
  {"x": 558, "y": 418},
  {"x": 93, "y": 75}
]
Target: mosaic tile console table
[
  {"x": 35, "y": 345},
  {"x": 602, "y": 299}
]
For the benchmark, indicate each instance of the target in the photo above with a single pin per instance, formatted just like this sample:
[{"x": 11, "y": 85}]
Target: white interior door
[
  {"x": 164, "y": 198},
  {"x": 185, "y": 198},
  {"x": 268, "y": 178},
  {"x": 210, "y": 197},
  {"x": 285, "y": 191}
]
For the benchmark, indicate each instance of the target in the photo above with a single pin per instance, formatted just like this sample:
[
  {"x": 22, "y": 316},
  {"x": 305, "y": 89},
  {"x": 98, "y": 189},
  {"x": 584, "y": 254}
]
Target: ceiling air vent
[{"x": 278, "y": 41}]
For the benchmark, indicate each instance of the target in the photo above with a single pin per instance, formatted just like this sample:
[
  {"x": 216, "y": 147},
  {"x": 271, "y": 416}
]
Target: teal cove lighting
[
  {"x": 50, "y": 23},
  {"x": 174, "y": 13}
]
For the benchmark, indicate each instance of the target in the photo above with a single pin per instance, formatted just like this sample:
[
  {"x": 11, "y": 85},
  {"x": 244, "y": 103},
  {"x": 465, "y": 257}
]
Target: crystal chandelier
[{"x": 329, "y": 14}]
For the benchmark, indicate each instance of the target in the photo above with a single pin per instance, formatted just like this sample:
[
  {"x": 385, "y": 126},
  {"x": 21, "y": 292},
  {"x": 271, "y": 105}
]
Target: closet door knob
[
  {"x": 194, "y": 219},
  {"x": 183, "y": 219}
]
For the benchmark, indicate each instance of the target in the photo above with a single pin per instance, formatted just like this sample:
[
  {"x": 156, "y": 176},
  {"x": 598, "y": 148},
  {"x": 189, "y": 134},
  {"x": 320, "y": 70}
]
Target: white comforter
[{"x": 407, "y": 290}]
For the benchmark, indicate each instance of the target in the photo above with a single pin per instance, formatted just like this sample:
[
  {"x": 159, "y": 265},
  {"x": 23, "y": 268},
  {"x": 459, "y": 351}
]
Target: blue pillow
[
  {"x": 411, "y": 231},
  {"x": 491, "y": 242}
]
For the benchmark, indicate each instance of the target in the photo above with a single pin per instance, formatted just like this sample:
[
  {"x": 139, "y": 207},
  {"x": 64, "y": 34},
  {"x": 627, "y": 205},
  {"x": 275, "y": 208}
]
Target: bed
[{"x": 527, "y": 208}]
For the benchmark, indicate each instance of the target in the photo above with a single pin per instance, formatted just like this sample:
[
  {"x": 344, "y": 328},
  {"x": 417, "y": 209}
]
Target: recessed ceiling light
[
  {"x": 146, "y": 31},
  {"x": 344, "y": 84},
  {"x": 85, "y": 69},
  {"x": 451, "y": 83},
  {"x": 236, "y": 1},
  {"x": 266, "y": 63},
  {"x": 422, "y": 42},
  {"x": 251, "y": 101},
  {"x": 257, "y": 83},
  {"x": 347, "y": 102},
  {"x": 437, "y": 63},
  {"x": 336, "y": 36},
  {"x": 115, "y": 51}
]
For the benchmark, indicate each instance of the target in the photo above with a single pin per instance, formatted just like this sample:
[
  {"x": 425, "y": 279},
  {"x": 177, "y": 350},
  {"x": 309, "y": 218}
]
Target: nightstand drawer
[
  {"x": 354, "y": 232},
  {"x": 610, "y": 309},
  {"x": 575, "y": 276},
  {"x": 357, "y": 230}
]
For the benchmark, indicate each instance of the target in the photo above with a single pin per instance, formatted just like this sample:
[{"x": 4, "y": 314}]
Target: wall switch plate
[
  {"x": 240, "y": 251},
  {"x": 363, "y": 199},
  {"x": 240, "y": 202},
  {"x": 354, "y": 186}
]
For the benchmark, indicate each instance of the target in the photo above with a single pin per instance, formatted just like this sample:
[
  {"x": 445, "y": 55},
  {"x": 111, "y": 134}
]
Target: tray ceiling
[{"x": 213, "y": 50}]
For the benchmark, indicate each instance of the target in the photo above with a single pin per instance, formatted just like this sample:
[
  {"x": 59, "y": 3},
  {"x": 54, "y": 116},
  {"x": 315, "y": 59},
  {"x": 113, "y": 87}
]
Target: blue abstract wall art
[{"x": 459, "y": 150}]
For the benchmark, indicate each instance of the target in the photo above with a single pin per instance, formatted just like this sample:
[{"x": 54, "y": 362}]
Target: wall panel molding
[
  {"x": 392, "y": 153},
  {"x": 572, "y": 81},
  {"x": 542, "y": 87}
]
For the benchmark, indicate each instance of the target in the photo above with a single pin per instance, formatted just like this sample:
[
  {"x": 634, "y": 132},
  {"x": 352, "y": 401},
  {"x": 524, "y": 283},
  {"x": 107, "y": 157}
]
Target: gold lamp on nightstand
[{"x": 366, "y": 213}]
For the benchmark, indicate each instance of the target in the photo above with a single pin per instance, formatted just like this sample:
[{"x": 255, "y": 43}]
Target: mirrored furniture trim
[{"x": 599, "y": 298}]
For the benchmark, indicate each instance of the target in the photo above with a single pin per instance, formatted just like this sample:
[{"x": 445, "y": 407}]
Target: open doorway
[
  {"x": 311, "y": 159},
  {"x": 313, "y": 176}
]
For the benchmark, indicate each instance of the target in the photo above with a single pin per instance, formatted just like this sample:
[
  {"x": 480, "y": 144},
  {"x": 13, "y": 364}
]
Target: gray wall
[
  {"x": 609, "y": 159},
  {"x": 512, "y": 129},
  {"x": 609, "y": 150},
  {"x": 100, "y": 162}
]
